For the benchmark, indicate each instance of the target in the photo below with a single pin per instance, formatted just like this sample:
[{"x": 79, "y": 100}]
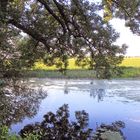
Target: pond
[{"x": 105, "y": 101}]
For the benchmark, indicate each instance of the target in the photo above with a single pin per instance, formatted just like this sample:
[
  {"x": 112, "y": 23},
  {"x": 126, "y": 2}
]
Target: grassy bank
[
  {"x": 130, "y": 69},
  {"x": 130, "y": 72},
  {"x": 74, "y": 74},
  {"x": 127, "y": 72}
]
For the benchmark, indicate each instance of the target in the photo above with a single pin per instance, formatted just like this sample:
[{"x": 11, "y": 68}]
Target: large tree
[{"x": 57, "y": 30}]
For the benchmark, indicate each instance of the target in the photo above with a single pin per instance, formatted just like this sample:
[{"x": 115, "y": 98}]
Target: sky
[{"x": 127, "y": 37}]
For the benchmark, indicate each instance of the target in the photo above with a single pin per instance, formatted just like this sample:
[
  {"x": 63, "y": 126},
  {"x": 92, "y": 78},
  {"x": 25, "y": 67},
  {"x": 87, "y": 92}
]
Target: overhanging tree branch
[
  {"x": 37, "y": 36},
  {"x": 43, "y": 2},
  {"x": 61, "y": 11}
]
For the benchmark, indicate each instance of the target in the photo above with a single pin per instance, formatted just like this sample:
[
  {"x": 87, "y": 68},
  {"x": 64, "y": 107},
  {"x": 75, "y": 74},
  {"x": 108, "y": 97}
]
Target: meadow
[{"x": 130, "y": 68}]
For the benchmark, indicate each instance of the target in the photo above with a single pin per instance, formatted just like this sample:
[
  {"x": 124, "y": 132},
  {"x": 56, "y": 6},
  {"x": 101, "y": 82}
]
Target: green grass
[
  {"x": 130, "y": 72},
  {"x": 56, "y": 74}
]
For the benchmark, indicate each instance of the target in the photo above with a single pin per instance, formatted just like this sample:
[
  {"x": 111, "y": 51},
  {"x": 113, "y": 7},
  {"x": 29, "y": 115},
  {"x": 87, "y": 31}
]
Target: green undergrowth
[
  {"x": 4, "y": 135},
  {"x": 57, "y": 74},
  {"x": 130, "y": 72},
  {"x": 127, "y": 72}
]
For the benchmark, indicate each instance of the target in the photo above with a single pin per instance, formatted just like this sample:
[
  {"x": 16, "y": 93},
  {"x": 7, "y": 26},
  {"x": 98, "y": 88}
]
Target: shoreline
[{"x": 127, "y": 73}]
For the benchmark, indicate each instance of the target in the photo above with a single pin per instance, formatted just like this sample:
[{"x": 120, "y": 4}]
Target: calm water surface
[{"x": 105, "y": 101}]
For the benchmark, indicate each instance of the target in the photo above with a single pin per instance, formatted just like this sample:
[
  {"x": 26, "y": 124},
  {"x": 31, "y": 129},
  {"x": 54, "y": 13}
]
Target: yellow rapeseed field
[
  {"x": 131, "y": 62},
  {"x": 41, "y": 65},
  {"x": 127, "y": 62}
]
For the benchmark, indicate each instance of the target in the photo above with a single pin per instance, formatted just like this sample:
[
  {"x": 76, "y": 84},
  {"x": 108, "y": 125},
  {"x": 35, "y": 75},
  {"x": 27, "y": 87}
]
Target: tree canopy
[
  {"x": 58, "y": 29},
  {"x": 127, "y": 10}
]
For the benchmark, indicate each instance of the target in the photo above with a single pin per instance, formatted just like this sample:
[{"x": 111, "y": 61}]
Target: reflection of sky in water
[{"x": 105, "y": 101}]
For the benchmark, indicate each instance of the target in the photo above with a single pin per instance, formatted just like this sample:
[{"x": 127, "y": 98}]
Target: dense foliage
[
  {"x": 125, "y": 9},
  {"x": 56, "y": 30}
]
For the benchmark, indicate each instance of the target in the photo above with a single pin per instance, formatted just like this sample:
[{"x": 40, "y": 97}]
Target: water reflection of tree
[
  {"x": 59, "y": 127},
  {"x": 93, "y": 90},
  {"x": 66, "y": 89},
  {"x": 17, "y": 101},
  {"x": 99, "y": 93}
]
